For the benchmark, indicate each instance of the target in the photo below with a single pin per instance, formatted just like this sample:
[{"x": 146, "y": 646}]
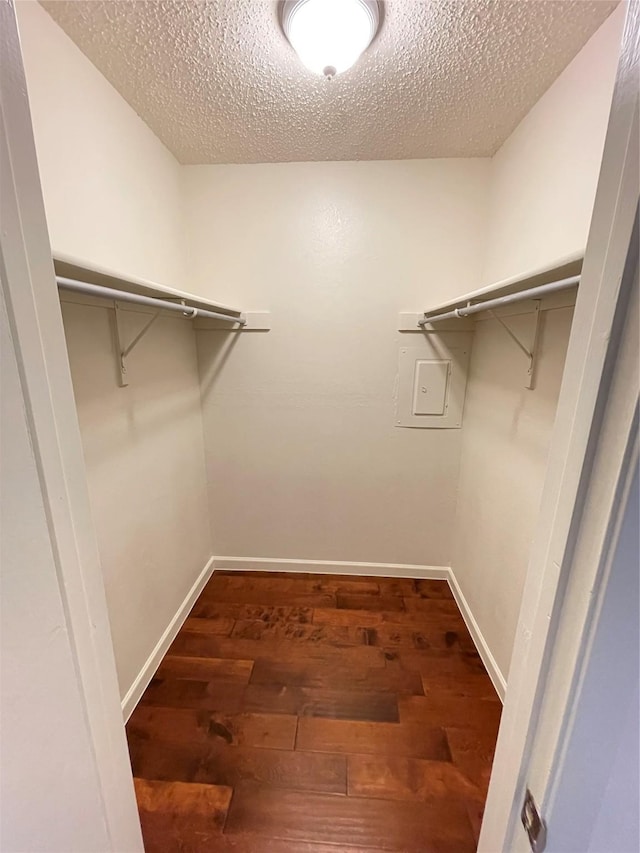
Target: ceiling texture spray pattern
[{"x": 218, "y": 82}]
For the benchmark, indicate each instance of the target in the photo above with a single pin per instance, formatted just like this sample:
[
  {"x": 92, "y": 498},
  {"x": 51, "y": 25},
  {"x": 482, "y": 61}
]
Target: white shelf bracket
[
  {"x": 530, "y": 352},
  {"x": 123, "y": 351}
]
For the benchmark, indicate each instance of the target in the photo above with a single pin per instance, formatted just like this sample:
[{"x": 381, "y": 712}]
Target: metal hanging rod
[
  {"x": 477, "y": 307},
  {"x": 187, "y": 311}
]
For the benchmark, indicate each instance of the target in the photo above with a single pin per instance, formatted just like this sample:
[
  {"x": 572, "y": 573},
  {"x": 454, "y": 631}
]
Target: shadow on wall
[
  {"x": 163, "y": 388},
  {"x": 497, "y": 382},
  {"x": 218, "y": 351}
]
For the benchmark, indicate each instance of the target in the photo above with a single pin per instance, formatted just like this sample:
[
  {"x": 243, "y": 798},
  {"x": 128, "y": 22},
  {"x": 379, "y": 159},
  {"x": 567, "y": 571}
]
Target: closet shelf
[
  {"x": 179, "y": 306},
  {"x": 535, "y": 284},
  {"x": 79, "y": 277},
  {"x": 71, "y": 268}
]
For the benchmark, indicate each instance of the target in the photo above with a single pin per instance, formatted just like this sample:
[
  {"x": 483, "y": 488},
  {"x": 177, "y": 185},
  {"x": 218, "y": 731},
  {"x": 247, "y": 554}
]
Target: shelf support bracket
[
  {"x": 530, "y": 352},
  {"x": 123, "y": 351}
]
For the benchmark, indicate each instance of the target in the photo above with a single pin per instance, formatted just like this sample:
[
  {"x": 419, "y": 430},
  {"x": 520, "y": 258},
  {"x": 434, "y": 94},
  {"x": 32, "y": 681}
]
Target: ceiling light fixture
[{"x": 330, "y": 35}]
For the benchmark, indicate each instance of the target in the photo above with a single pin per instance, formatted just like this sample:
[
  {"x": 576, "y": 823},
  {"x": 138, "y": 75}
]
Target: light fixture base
[{"x": 329, "y": 36}]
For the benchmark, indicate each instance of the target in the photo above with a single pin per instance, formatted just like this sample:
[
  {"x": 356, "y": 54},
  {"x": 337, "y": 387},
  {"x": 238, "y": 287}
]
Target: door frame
[
  {"x": 587, "y": 427},
  {"x": 35, "y": 318},
  {"x": 39, "y": 337}
]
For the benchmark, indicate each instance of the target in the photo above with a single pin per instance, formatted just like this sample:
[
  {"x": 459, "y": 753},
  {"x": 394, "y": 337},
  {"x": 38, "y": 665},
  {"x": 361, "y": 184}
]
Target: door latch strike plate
[{"x": 533, "y": 823}]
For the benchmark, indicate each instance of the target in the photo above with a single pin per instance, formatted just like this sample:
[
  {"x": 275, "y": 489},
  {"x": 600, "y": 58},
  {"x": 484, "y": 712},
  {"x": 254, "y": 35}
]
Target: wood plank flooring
[{"x": 316, "y": 714}]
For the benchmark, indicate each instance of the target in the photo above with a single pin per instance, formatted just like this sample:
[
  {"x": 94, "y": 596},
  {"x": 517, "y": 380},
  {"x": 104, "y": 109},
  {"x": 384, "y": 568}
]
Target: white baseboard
[
  {"x": 335, "y": 567},
  {"x": 141, "y": 683},
  {"x": 495, "y": 674},
  {"x": 332, "y": 567}
]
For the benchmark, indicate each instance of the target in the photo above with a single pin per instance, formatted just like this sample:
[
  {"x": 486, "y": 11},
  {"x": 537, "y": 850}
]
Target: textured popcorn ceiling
[{"x": 218, "y": 83}]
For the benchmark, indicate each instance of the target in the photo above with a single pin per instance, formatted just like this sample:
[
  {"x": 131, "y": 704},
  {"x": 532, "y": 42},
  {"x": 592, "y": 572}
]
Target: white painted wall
[
  {"x": 506, "y": 434},
  {"x": 143, "y": 449},
  {"x": 543, "y": 178},
  {"x": 113, "y": 197},
  {"x": 542, "y": 188},
  {"x": 303, "y": 457},
  {"x": 111, "y": 188}
]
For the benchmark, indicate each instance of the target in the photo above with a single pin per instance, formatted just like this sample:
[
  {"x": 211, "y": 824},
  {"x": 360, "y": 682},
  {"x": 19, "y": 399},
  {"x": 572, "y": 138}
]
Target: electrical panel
[{"x": 432, "y": 381}]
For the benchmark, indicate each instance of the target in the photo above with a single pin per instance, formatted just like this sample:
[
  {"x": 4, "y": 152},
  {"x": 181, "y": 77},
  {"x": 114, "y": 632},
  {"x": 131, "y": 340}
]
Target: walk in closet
[{"x": 306, "y": 348}]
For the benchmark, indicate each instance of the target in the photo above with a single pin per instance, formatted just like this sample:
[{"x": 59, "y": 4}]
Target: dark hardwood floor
[{"x": 316, "y": 714}]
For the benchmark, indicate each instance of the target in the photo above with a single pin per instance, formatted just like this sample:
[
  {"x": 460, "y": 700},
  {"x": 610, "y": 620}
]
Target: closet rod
[
  {"x": 188, "y": 311},
  {"x": 476, "y": 308}
]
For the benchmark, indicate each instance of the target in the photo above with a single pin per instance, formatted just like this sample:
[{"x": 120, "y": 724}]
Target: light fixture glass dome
[{"x": 330, "y": 35}]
